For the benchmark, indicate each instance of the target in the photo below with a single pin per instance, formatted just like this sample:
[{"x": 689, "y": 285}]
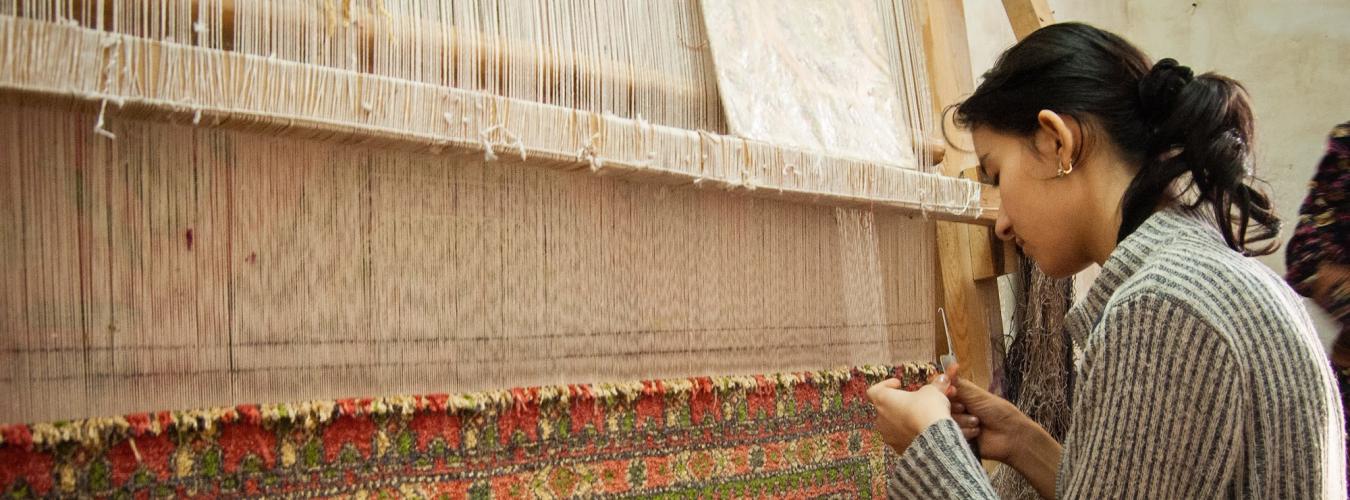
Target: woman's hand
[
  {"x": 991, "y": 421},
  {"x": 902, "y": 415},
  {"x": 1005, "y": 434}
]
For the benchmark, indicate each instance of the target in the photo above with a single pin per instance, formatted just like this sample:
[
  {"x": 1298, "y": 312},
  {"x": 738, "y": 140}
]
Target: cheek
[
  {"x": 1044, "y": 221},
  {"x": 1035, "y": 214},
  {"x": 1019, "y": 202}
]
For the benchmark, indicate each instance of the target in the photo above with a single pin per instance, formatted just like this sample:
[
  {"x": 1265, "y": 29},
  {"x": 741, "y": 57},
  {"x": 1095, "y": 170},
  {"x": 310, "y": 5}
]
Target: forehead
[
  {"x": 982, "y": 138},
  {"x": 988, "y": 140}
]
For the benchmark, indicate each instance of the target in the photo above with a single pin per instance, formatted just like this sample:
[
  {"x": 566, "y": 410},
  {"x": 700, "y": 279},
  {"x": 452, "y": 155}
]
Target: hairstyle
[{"x": 1161, "y": 117}]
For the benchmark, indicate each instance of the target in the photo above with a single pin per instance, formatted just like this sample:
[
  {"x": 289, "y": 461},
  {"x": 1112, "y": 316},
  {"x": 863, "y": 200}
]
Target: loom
[{"x": 449, "y": 227}]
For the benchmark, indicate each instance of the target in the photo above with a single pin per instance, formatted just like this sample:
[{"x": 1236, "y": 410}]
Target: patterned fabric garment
[
  {"x": 798, "y": 435},
  {"x": 1323, "y": 236},
  {"x": 1323, "y": 232}
]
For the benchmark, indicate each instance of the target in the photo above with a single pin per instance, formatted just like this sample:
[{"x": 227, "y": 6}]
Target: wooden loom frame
[{"x": 969, "y": 258}]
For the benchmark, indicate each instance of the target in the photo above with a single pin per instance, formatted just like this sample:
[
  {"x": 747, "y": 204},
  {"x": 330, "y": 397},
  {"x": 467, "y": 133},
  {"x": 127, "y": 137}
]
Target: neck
[{"x": 1109, "y": 189}]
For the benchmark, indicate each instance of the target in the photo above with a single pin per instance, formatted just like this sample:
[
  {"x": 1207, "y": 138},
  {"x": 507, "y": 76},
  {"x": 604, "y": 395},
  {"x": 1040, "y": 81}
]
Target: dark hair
[{"x": 1160, "y": 116}]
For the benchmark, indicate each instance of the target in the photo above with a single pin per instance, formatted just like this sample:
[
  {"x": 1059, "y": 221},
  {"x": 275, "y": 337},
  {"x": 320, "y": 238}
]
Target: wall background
[{"x": 1292, "y": 55}]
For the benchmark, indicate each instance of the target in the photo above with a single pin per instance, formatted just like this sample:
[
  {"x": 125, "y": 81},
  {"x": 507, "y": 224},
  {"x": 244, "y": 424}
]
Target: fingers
[
  {"x": 966, "y": 420},
  {"x": 970, "y": 432},
  {"x": 954, "y": 371},
  {"x": 932, "y": 397},
  {"x": 958, "y": 407},
  {"x": 943, "y": 384},
  {"x": 969, "y": 424},
  {"x": 875, "y": 392}
]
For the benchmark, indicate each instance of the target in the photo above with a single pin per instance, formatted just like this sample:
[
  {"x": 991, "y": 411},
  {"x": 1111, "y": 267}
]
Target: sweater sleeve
[
  {"x": 1158, "y": 409},
  {"x": 939, "y": 464}
]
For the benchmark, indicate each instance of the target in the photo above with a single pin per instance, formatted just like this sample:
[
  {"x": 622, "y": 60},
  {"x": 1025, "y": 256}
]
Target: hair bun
[{"x": 1158, "y": 89}]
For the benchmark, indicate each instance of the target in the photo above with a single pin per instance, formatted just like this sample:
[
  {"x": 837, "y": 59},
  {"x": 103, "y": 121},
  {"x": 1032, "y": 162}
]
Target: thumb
[
  {"x": 942, "y": 383},
  {"x": 970, "y": 393}
]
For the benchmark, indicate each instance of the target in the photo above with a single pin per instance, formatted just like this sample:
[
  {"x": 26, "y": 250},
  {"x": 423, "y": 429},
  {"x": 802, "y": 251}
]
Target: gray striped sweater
[{"x": 1202, "y": 376}]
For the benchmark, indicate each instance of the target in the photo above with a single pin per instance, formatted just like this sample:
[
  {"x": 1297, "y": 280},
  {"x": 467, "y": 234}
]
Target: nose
[{"x": 1003, "y": 227}]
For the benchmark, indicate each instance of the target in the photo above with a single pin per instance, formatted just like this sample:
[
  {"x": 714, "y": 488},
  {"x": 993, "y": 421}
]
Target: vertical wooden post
[
  {"x": 969, "y": 258},
  {"x": 1027, "y": 16},
  {"x": 958, "y": 244}
]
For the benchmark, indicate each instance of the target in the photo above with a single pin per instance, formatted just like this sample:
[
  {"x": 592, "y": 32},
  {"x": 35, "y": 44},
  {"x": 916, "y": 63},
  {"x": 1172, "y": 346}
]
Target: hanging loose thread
[
  {"x": 589, "y": 154},
  {"x": 511, "y": 139}
]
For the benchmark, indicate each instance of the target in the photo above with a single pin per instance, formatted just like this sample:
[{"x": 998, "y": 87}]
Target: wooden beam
[
  {"x": 611, "y": 72},
  {"x": 363, "y": 20},
  {"x": 989, "y": 206},
  {"x": 950, "y": 75},
  {"x": 1027, "y": 16}
]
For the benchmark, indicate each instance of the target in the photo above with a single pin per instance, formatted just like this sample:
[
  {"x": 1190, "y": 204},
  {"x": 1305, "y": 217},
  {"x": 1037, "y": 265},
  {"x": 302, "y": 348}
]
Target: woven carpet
[{"x": 784, "y": 435}]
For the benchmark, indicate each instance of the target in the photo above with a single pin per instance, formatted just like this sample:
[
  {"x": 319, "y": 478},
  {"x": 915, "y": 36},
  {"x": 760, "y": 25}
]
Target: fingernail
[{"x": 941, "y": 379}]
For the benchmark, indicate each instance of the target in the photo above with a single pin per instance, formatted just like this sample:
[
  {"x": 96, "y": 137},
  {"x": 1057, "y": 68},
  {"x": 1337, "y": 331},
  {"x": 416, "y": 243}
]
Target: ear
[{"x": 1057, "y": 136}]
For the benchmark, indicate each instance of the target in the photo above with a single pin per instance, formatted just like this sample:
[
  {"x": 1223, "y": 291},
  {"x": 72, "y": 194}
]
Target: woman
[{"x": 1201, "y": 374}]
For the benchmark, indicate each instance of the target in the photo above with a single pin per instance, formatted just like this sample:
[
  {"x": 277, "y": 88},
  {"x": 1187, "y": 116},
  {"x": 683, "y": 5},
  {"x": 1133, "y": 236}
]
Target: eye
[{"x": 986, "y": 178}]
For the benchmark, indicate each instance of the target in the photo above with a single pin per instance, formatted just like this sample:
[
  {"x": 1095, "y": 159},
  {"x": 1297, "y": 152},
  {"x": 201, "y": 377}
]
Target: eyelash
[{"x": 984, "y": 174}]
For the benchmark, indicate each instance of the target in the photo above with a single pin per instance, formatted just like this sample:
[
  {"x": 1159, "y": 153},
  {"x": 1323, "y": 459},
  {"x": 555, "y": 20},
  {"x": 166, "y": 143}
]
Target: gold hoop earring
[{"x": 1062, "y": 171}]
